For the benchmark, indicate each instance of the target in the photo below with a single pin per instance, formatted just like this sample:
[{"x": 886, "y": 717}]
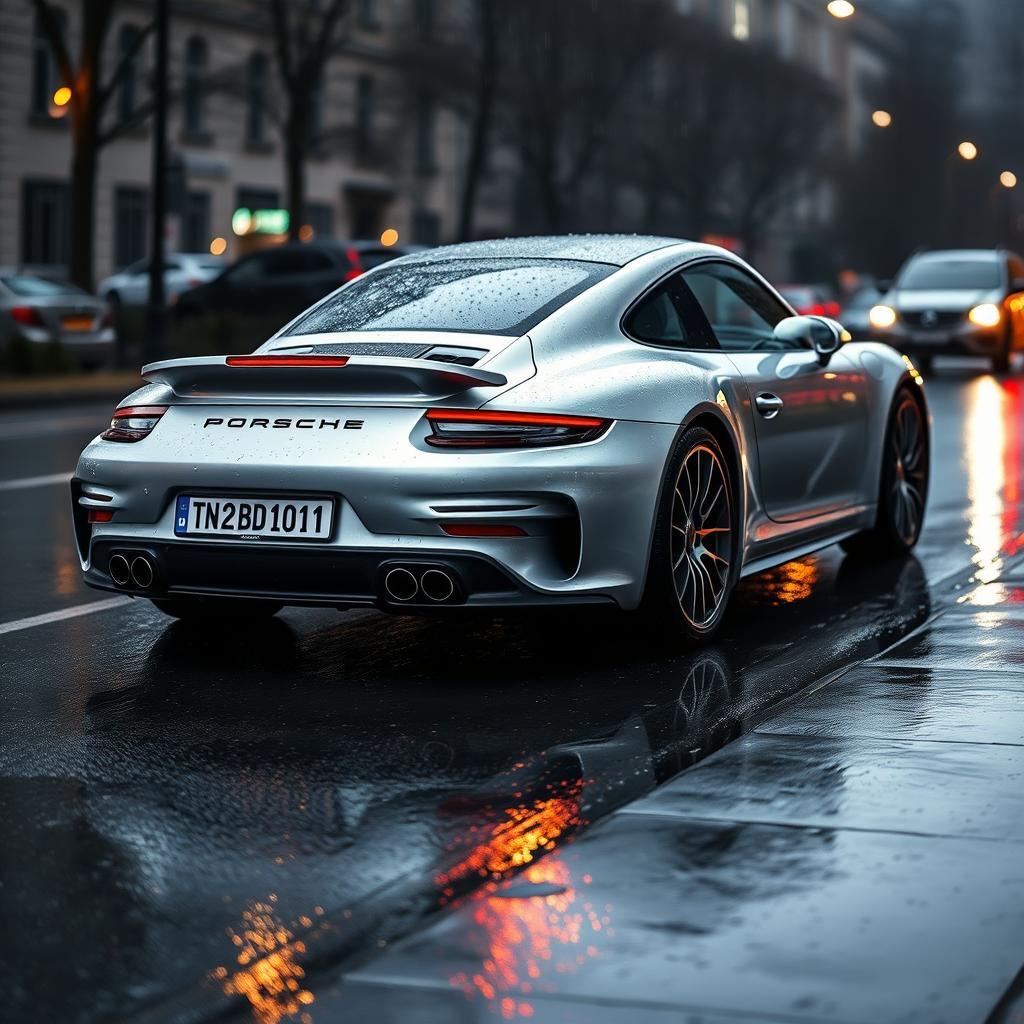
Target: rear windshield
[
  {"x": 28, "y": 286},
  {"x": 966, "y": 274},
  {"x": 495, "y": 296}
]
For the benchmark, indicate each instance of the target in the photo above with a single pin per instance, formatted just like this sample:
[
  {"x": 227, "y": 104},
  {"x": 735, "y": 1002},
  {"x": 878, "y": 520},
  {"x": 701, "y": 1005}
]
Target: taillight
[
  {"x": 27, "y": 316},
  {"x": 134, "y": 422},
  {"x": 279, "y": 361},
  {"x": 464, "y": 428},
  {"x": 355, "y": 265},
  {"x": 482, "y": 530}
]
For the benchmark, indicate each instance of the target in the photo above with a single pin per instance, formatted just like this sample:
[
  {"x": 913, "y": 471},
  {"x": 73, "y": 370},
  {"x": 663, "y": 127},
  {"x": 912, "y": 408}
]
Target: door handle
[{"x": 768, "y": 405}]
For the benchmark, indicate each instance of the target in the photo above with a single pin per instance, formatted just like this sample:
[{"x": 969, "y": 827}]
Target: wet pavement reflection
[{"x": 197, "y": 818}]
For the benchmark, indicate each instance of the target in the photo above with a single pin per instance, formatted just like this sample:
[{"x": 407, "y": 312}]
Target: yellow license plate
[{"x": 77, "y": 323}]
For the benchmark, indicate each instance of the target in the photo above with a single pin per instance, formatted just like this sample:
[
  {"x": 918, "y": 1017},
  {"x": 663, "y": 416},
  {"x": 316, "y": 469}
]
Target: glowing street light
[
  {"x": 388, "y": 237},
  {"x": 841, "y": 9},
  {"x": 1008, "y": 179},
  {"x": 59, "y": 101},
  {"x": 218, "y": 246},
  {"x": 968, "y": 150},
  {"x": 882, "y": 118}
]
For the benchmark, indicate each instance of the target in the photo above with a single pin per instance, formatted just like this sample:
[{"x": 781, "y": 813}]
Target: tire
[
  {"x": 695, "y": 555},
  {"x": 114, "y": 302},
  {"x": 903, "y": 490},
  {"x": 216, "y": 610}
]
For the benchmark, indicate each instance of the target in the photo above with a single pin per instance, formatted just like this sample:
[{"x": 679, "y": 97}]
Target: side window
[
  {"x": 659, "y": 318},
  {"x": 741, "y": 312}
]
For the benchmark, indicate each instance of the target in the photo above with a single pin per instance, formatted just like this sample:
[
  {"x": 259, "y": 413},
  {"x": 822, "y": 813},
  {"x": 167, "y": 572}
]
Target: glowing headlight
[
  {"x": 882, "y": 317},
  {"x": 986, "y": 315}
]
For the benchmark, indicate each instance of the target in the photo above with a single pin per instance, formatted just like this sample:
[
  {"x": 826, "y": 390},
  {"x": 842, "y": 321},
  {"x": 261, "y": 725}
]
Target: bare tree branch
[{"x": 125, "y": 63}]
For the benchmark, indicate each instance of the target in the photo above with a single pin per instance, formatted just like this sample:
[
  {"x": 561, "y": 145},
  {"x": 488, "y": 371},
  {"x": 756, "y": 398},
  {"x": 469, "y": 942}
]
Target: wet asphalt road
[{"x": 177, "y": 804}]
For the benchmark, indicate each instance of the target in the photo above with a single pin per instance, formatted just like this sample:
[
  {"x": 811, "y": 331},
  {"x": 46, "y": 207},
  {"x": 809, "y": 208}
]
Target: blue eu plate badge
[{"x": 181, "y": 516}]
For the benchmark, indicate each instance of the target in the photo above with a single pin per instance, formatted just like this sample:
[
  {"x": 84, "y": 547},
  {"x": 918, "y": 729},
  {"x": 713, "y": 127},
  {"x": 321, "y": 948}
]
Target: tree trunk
[
  {"x": 295, "y": 144},
  {"x": 84, "y": 162},
  {"x": 483, "y": 114}
]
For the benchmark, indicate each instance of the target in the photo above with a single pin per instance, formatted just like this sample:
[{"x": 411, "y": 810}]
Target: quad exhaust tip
[
  {"x": 401, "y": 585},
  {"x": 420, "y": 584},
  {"x": 128, "y": 570},
  {"x": 142, "y": 572},
  {"x": 120, "y": 571},
  {"x": 437, "y": 585}
]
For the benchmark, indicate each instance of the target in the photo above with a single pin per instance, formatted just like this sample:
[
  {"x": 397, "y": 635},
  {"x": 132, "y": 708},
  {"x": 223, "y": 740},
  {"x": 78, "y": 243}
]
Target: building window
[
  {"x": 130, "y": 205},
  {"x": 366, "y": 11},
  {"x": 364, "y": 114},
  {"x": 426, "y": 228},
  {"x": 425, "y": 162},
  {"x": 741, "y": 20},
  {"x": 128, "y": 97},
  {"x": 195, "y": 222},
  {"x": 424, "y": 16},
  {"x": 45, "y": 76},
  {"x": 44, "y": 240},
  {"x": 194, "y": 99},
  {"x": 256, "y": 111},
  {"x": 320, "y": 217}
]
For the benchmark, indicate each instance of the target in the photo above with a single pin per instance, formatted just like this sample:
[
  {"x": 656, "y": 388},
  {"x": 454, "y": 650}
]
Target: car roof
[
  {"x": 617, "y": 250},
  {"x": 969, "y": 255}
]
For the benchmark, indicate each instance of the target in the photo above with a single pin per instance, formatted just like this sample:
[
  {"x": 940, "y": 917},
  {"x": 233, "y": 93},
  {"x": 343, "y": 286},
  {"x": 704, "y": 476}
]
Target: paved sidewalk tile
[
  {"x": 776, "y": 922},
  {"x": 362, "y": 1001},
  {"x": 985, "y": 638},
  {"x": 961, "y": 789},
  {"x": 955, "y": 705}
]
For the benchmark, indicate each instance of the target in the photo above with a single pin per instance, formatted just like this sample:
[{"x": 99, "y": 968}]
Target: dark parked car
[
  {"x": 810, "y": 299},
  {"x": 284, "y": 280}
]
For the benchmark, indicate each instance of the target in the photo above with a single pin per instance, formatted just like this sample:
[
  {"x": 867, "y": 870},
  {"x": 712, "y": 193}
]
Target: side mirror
[
  {"x": 884, "y": 285},
  {"x": 819, "y": 333}
]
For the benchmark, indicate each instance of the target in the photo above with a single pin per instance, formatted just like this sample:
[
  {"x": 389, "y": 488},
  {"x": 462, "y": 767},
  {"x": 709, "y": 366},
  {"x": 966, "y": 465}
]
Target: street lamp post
[{"x": 156, "y": 308}]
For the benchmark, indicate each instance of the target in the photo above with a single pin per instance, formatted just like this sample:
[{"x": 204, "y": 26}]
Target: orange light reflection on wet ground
[
  {"x": 268, "y": 973},
  {"x": 789, "y": 583},
  {"x": 525, "y": 941}
]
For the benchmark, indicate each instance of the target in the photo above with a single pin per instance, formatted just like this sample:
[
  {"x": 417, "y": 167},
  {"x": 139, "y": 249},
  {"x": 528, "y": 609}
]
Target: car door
[{"x": 810, "y": 419}]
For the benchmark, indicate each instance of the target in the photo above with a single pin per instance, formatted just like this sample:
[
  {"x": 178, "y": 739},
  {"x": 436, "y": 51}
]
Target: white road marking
[
  {"x": 65, "y": 613},
  {"x": 13, "y": 430},
  {"x": 26, "y": 482}
]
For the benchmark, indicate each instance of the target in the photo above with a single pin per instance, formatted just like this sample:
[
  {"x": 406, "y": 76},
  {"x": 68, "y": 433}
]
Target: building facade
[
  {"x": 380, "y": 158},
  {"x": 385, "y": 154}
]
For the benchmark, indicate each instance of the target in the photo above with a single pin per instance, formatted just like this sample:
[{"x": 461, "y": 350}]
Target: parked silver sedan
[
  {"x": 597, "y": 420},
  {"x": 182, "y": 272},
  {"x": 35, "y": 311}
]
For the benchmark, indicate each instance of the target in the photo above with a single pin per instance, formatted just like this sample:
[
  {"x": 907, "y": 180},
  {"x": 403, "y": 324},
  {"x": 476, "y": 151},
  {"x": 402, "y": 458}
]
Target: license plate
[
  {"x": 77, "y": 323},
  {"x": 254, "y": 518}
]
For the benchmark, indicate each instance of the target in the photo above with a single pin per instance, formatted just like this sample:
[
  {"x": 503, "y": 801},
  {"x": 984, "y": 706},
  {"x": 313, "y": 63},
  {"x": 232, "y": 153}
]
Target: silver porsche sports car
[{"x": 619, "y": 420}]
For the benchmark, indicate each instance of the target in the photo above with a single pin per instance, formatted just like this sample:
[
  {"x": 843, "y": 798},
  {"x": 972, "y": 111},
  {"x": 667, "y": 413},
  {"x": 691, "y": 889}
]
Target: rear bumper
[
  {"x": 310, "y": 576},
  {"x": 586, "y": 512}
]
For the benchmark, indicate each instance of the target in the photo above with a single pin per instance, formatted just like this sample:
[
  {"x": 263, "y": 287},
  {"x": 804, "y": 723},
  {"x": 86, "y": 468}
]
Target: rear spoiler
[{"x": 308, "y": 376}]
